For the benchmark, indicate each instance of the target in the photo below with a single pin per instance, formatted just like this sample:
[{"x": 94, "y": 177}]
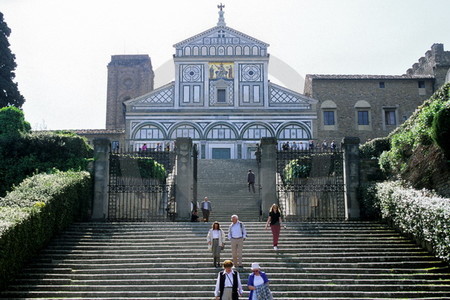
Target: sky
[{"x": 63, "y": 47}]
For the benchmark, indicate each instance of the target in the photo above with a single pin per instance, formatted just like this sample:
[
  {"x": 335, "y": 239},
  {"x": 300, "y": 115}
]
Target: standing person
[
  {"x": 333, "y": 145},
  {"x": 228, "y": 283},
  {"x": 206, "y": 209},
  {"x": 216, "y": 242},
  {"x": 237, "y": 235},
  {"x": 251, "y": 180},
  {"x": 274, "y": 221},
  {"x": 258, "y": 284}
]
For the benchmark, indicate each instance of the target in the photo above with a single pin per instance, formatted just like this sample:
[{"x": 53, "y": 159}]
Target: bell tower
[{"x": 129, "y": 76}]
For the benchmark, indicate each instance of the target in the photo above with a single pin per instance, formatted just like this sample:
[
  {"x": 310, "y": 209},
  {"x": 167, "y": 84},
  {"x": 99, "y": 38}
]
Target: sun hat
[{"x": 255, "y": 266}]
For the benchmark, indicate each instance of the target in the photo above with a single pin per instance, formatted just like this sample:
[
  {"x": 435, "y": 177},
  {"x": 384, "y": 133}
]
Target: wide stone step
[
  {"x": 201, "y": 294},
  {"x": 316, "y": 261}
]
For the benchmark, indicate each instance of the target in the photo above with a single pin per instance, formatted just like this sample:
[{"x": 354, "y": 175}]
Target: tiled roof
[
  {"x": 87, "y": 131},
  {"x": 373, "y": 77}
]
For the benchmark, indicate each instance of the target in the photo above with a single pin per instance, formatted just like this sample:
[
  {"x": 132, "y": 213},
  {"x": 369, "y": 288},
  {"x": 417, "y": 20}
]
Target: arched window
[
  {"x": 221, "y": 132},
  {"x": 256, "y": 132},
  {"x": 149, "y": 132},
  {"x": 187, "y": 51},
  {"x": 185, "y": 130},
  {"x": 255, "y": 50},
  {"x": 294, "y": 132}
]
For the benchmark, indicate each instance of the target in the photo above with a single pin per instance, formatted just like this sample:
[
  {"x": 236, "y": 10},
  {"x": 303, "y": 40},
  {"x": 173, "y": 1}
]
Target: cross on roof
[{"x": 221, "y": 6}]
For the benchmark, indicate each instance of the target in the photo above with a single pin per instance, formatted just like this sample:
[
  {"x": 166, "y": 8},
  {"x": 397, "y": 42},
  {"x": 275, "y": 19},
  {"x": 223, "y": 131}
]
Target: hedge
[
  {"x": 34, "y": 211},
  {"x": 28, "y": 154},
  {"x": 374, "y": 148},
  {"x": 421, "y": 214}
]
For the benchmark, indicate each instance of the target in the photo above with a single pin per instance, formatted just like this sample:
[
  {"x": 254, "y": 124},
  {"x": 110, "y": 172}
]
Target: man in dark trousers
[{"x": 251, "y": 180}]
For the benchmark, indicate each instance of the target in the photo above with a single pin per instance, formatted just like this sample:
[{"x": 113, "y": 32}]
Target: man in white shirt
[
  {"x": 237, "y": 235},
  {"x": 228, "y": 283}
]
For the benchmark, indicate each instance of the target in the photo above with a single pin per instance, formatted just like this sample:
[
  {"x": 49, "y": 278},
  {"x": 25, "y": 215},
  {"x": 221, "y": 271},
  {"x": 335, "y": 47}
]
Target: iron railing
[{"x": 132, "y": 195}]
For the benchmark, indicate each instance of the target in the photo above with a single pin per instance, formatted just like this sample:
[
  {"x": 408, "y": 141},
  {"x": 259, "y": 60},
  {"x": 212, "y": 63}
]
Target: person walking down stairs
[
  {"x": 206, "y": 209},
  {"x": 237, "y": 235},
  {"x": 228, "y": 283},
  {"x": 274, "y": 221},
  {"x": 258, "y": 284},
  {"x": 216, "y": 242}
]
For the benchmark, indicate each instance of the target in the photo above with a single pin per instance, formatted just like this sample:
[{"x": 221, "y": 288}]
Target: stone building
[
  {"x": 370, "y": 106},
  {"x": 222, "y": 98}
]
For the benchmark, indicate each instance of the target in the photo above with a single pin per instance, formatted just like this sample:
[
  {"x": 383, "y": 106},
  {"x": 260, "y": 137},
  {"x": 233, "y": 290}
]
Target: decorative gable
[
  {"x": 161, "y": 97},
  {"x": 219, "y": 41},
  {"x": 280, "y": 96}
]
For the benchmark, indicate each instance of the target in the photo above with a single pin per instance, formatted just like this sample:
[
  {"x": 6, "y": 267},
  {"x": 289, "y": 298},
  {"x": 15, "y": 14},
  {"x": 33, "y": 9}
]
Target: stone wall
[
  {"x": 399, "y": 93},
  {"x": 436, "y": 62}
]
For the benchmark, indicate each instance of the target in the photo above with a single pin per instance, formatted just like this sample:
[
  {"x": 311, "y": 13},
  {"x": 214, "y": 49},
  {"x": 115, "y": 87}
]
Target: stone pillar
[
  {"x": 350, "y": 146},
  {"x": 101, "y": 179},
  {"x": 184, "y": 179},
  {"x": 268, "y": 174}
]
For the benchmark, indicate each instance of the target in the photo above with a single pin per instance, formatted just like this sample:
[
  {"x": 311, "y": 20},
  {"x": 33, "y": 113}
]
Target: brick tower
[{"x": 129, "y": 76}]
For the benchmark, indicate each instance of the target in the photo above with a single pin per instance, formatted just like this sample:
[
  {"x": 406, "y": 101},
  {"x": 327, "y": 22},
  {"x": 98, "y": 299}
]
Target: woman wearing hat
[
  {"x": 216, "y": 240},
  {"x": 258, "y": 284}
]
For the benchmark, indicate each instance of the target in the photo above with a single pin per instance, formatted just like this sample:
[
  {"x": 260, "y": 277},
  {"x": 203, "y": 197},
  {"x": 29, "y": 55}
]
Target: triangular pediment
[
  {"x": 163, "y": 96},
  {"x": 221, "y": 35},
  {"x": 281, "y": 96}
]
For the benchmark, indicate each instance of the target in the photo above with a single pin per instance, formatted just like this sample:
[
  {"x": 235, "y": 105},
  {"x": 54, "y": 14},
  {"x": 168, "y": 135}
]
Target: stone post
[
  {"x": 101, "y": 179},
  {"x": 350, "y": 146},
  {"x": 184, "y": 179},
  {"x": 268, "y": 174}
]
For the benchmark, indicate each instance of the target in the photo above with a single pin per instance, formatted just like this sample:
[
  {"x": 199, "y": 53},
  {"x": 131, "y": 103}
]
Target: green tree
[
  {"x": 12, "y": 121},
  {"x": 9, "y": 92}
]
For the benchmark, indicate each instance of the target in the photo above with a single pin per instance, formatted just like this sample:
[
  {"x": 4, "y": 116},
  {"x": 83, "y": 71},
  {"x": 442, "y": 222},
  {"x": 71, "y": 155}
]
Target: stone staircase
[
  {"x": 351, "y": 260},
  {"x": 224, "y": 182}
]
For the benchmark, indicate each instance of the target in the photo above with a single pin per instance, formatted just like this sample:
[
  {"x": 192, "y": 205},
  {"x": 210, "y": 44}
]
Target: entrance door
[{"x": 221, "y": 153}]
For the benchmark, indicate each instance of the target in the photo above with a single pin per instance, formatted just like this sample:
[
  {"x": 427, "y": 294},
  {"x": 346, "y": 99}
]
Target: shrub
[
  {"x": 297, "y": 168},
  {"x": 369, "y": 206},
  {"x": 34, "y": 211},
  {"x": 419, "y": 213},
  {"x": 12, "y": 121},
  {"x": 417, "y": 131},
  {"x": 28, "y": 154},
  {"x": 374, "y": 148},
  {"x": 441, "y": 129},
  {"x": 140, "y": 167}
]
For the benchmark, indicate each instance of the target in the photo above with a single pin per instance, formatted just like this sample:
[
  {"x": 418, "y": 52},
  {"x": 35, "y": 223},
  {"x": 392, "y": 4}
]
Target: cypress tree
[{"x": 9, "y": 92}]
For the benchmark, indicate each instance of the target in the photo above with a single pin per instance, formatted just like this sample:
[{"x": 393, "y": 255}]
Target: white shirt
[
  {"x": 215, "y": 234},
  {"x": 236, "y": 231},
  {"x": 258, "y": 280},
  {"x": 228, "y": 282}
]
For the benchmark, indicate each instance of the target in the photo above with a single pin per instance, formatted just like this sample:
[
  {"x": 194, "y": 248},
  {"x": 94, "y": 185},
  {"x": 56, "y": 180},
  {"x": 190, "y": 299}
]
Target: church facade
[{"x": 221, "y": 98}]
